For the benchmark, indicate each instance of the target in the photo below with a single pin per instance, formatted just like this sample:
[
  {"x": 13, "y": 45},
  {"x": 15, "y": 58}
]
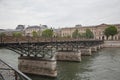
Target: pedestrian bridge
[
  {"x": 39, "y": 57},
  {"x": 46, "y": 48}
]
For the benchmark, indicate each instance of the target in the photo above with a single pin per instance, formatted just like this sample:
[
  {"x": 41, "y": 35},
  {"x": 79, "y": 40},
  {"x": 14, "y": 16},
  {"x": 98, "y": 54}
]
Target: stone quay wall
[
  {"x": 111, "y": 44},
  {"x": 38, "y": 66}
]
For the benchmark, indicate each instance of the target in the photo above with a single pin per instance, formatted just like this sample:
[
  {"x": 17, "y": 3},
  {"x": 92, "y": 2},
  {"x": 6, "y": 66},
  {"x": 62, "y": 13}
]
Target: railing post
[
  {"x": 16, "y": 76},
  {"x": 12, "y": 73},
  {"x": 1, "y": 77}
]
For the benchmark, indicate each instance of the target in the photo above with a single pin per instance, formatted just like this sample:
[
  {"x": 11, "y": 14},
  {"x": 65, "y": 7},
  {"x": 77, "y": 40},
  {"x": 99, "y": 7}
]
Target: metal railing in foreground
[{"x": 7, "y": 72}]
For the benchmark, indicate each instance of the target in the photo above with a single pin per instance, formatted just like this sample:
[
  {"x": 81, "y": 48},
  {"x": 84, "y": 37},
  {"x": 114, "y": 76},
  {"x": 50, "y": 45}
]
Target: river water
[{"x": 103, "y": 65}]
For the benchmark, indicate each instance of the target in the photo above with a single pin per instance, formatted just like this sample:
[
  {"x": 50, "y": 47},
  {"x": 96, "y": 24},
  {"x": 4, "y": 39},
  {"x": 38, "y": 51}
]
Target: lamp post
[
  {"x": 28, "y": 42},
  {"x": 1, "y": 38},
  {"x": 52, "y": 35}
]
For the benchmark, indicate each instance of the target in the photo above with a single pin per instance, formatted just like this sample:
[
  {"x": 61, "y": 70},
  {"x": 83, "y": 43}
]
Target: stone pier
[
  {"x": 102, "y": 46},
  {"x": 98, "y": 47},
  {"x": 86, "y": 52},
  {"x": 38, "y": 66},
  {"x": 94, "y": 49},
  {"x": 69, "y": 56}
]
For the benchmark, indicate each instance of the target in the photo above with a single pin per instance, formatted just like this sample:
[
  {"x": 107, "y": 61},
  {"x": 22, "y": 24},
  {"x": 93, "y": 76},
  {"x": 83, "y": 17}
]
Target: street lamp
[{"x": 28, "y": 42}]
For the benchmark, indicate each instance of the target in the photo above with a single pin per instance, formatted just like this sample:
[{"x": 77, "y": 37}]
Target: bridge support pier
[
  {"x": 101, "y": 46},
  {"x": 37, "y": 66},
  {"x": 94, "y": 49},
  {"x": 98, "y": 47},
  {"x": 69, "y": 56},
  {"x": 86, "y": 52}
]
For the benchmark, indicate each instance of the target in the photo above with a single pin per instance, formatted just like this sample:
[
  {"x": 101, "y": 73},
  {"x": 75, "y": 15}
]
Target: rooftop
[{"x": 35, "y": 27}]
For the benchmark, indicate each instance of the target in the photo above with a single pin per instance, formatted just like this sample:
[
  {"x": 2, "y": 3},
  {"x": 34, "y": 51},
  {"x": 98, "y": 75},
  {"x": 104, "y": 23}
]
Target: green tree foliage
[
  {"x": 2, "y": 34},
  {"x": 106, "y": 32},
  {"x": 113, "y": 31},
  {"x": 47, "y": 33},
  {"x": 75, "y": 34},
  {"x": 34, "y": 34},
  {"x": 89, "y": 34},
  {"x": 110, "y": 31},
  {"x": 17, "y": 34}
]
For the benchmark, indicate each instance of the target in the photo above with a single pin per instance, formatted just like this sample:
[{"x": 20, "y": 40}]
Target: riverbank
[{"x": 110, "y": 44}]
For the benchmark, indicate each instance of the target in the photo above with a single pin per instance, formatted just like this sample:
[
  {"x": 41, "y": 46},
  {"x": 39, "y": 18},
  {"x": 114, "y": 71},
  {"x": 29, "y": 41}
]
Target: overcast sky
[{"x": 58, "y": 13}]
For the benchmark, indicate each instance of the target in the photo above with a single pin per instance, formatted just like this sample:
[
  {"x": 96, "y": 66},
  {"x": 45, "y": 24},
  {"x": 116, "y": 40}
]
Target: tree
[
  {"x": 47, "y": 33},
  {"x": 75, "y": 34},
  {"x": 113, "y": 31},
  {"x": 2, "y": 35},
  {"x": 34, "y": 34},
  {"x": 106, "y": 32},
  {"x": 17, "y": 35},
  {"x": 110, "y": 31},
  {"x": 89, "y": 34}
]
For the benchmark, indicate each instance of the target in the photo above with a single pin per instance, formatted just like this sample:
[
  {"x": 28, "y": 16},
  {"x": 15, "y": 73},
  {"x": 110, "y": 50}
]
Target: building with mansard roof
[
  {"x": 37, "y": 28},
  {"x": 97, "y": 30},
  {"x": 20, "y": 27}
]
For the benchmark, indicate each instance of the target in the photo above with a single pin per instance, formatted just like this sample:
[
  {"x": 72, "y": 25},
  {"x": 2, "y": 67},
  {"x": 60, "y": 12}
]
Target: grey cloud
[{"x": 58, "y": 12}]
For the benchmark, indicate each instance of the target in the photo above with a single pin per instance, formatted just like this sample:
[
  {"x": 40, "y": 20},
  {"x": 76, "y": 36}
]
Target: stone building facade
[
  {"x": 28, "y": 31},
  {"x": 99, "y": 33},
  {"x": 9, "y": 32},
  {"x": 97, "y": 30}
]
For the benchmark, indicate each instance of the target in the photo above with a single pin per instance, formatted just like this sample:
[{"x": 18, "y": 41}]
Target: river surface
[{"x": 103, "y": 65}]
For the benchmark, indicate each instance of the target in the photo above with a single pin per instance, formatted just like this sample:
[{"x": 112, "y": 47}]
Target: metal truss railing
[{"x": 7, "y": 72}]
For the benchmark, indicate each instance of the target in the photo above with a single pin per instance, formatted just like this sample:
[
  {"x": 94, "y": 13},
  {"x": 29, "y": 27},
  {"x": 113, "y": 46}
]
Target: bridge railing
[
  {"x": 10, "y": 39},
  {"x": 9, "y": 73}
]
